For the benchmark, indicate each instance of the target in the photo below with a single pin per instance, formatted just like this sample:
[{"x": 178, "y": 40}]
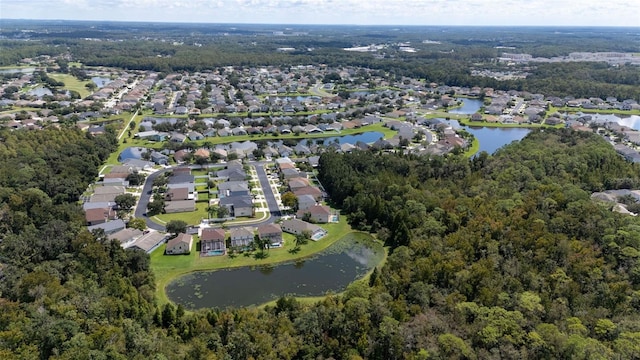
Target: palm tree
[{"x": 212, "y": 210}]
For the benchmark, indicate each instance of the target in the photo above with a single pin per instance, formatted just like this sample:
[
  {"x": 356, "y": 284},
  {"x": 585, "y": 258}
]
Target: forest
[{"x": 501, "y": 256}]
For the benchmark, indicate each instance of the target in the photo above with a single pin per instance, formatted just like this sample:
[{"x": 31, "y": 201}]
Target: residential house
[
  {"x": 194, "y": 136},
  {"x": 290, "y": 173},
  {"x": 212, "y": 242},
  {"x": 317, "y": 214},
  {"x": 103, "y": 197},
  {"x": 104, "y": 190},
  {"x": 241, "y": 237},
  {"x": 180, "y": 206},
  {"x": 109, "y": 227},
  {"x": 299, "y": 227},
  {"x": 180, "y": 244},
  {"x": 178, "y": 178},
  {"x": 298, "y": 182},
  {"x": 148, "y": 242},
  {"x": 99, "y": 216},
  {"x": 178, "y": 193},
  {"x": 126, "y": 237},
  {"x": 238, "y": 205},
  {"x": 178, "y": 138},
  {"x": 309, "y": 190},
  {"x": 306, "y": 201},
  {"x": 159, "y": 158},
  {"x": 232, "y": 174},
  {"x": 233, "y": 188},
  {"x": 271, "y": 233}
]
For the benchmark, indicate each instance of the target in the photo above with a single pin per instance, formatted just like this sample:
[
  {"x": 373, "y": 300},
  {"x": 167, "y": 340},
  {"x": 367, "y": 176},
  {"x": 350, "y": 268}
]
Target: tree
[
  {"x": 222, "y": 212},
  {"x": 135, "y": 179},
  {"x": 176, "y": 226},
  {"x": 155, "y": 207},
  {"x": 125, "y": 201},
  {"x": 137, "y": 223},
  {"x": 290, "y": 200},
  {"x": 212, "y": 210}
]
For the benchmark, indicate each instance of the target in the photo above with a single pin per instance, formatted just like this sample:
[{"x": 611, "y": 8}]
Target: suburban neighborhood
[{"x": 208, "y": 136}]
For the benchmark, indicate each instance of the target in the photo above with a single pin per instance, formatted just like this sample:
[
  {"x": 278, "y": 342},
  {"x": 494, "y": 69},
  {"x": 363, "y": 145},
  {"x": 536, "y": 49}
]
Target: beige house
[{"x": 180, "y": 244}]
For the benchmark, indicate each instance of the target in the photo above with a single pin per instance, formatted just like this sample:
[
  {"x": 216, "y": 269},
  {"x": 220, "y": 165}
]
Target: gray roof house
[
  {"x": 233, "y": 188},
  {"x": 241, "y": 237},
  {"x": 159, "y": 158},
  {"x": 238, "y": 205},
  {"x": 109, "y": 227}
]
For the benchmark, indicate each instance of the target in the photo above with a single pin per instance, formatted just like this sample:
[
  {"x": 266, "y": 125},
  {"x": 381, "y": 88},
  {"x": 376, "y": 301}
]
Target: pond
[
  {"x": 469, "y": 106},
  {"x": 330, "y": 271},
  {"x": 100, "y": 81},
  {"x": 27, "y": 70},
  {"x": 366, "y": 137},
  {"x": 493, "y": 138},
  {"x": 632, "y": 121},
  {"x": 40, "y": 92},
  {"x": 131, "y": 153}
]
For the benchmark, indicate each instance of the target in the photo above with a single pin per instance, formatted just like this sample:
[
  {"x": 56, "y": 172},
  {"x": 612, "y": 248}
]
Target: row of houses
[
  {"x": 214, "y": 241},
  {"x": 100, "y": 208},
  {"x": 234, "y": 192}
]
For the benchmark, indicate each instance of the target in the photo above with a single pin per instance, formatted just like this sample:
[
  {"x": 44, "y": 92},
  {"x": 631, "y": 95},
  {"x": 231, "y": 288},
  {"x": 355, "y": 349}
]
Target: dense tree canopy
[{"x": 501, "y": 256}]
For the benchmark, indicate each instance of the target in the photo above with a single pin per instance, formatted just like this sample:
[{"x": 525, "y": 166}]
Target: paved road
[
  {"x": 272, "y": 203},
  {"x": 145, "y": 197}
]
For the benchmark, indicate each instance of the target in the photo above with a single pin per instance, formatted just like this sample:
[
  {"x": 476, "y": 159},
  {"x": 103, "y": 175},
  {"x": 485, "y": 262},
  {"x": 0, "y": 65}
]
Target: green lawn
[
  {"x": 167, "y": 267},
  {"x": 191, "y": 218},
  {"x": 473, "y": 149},
  {"x": 199, "y": 172},
  {"x": 72, "y": 83},
  {"x": 203, "y": 196}
]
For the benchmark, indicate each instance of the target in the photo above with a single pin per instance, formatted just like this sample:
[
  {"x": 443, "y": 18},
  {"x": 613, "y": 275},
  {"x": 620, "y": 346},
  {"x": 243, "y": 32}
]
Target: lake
[
  {"x": 131, "y": 153},
  {"x": 100, "y": 81},
  {"x": 366, "y": 137},
  {"x": 492, "y": 138},
  {"x": 18, "y": 70},
  {"x": 469, "y": 106},
  {"x": 330, "y": 271},
  {"x": 632, "y": 121},
  {"x": 40, "y": 92}
]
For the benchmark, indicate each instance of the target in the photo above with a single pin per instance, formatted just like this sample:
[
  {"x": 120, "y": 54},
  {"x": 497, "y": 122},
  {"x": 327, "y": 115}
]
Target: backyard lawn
[{"x": 191, "y": 218}]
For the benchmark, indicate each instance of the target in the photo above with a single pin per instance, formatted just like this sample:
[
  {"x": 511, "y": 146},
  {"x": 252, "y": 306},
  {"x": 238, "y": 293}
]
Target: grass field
[
  {"x": 473, "y": 149},
  {"x": 72, "y": 83},
  {"x": 191, "y": 218},
  {"x": 166, "y": 267}
]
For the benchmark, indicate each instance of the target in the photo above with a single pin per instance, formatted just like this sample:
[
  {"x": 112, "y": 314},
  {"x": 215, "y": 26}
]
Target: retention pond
[{"x": 329, "y": 271}]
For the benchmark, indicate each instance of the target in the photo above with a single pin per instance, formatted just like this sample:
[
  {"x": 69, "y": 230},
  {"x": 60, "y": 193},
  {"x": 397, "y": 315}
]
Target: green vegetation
[
  {"x": 72, "y": 83},
  {"x": 191, "y": 217}
]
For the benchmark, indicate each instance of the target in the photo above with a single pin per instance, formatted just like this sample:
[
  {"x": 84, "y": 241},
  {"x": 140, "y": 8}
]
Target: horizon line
[{"x": 315, "y": 24}]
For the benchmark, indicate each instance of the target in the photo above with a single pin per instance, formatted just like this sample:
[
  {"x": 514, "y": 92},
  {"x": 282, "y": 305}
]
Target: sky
[{"x": 360, "y": 12}]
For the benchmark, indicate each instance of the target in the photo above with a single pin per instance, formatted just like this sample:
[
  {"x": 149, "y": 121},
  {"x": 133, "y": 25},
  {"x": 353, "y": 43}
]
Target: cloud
[{"x": 415, "y": 12}]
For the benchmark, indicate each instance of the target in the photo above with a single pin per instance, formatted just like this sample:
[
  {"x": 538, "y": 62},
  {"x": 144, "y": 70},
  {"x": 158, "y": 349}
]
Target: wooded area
[{"x": 501, "y": 256}]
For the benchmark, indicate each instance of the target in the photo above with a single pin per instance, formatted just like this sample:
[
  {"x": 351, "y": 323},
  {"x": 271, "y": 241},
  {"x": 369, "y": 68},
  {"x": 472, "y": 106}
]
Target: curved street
[{"x": 272, "y": 203}]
